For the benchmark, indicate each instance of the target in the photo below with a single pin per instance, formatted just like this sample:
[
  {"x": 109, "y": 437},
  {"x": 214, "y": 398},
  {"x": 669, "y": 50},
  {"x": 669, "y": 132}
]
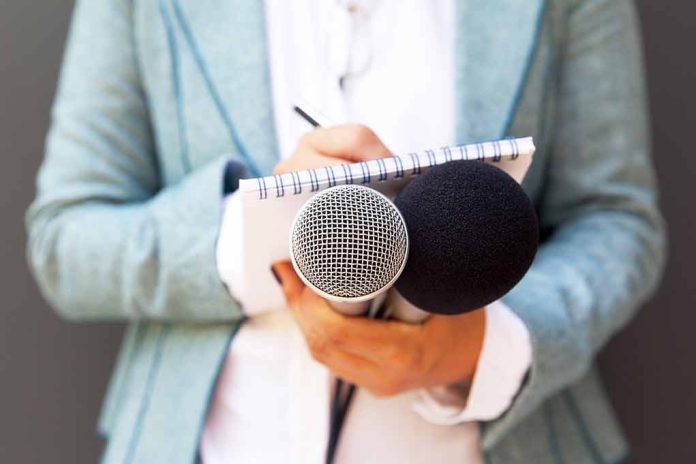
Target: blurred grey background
[{"x": 53, "y": 374}]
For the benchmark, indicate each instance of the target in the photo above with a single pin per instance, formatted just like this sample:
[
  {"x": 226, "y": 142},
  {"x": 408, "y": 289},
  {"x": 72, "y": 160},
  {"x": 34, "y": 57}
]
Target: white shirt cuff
[
  {"x": 230, "y": 246},
  {"x": 505, "y": 358}
]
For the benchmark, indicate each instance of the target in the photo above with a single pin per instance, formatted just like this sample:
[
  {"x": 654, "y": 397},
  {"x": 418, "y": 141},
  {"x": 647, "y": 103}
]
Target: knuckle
[
  {"x": 318, "y": 346},
  {"x": 394, "y": 386},
  {"x": 389, "y": 387},
  {"x": 363, "y": 132},
  {"x": 396, "y": 359},
  {"x": 376, "y": 392},
  {"x": 421, "y": 355},
  {"x": 334, "y": 334},
  {"x": 402, "y": 360},
  {"x": 417, "y": 363},
  {"x": 358, "y": 134},
  {"x": 305, "y": 140}
]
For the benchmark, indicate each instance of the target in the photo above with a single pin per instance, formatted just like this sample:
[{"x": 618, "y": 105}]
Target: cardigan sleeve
[
  {"x": 606, "y": 250},
  {"x": 106, "y": 240}
]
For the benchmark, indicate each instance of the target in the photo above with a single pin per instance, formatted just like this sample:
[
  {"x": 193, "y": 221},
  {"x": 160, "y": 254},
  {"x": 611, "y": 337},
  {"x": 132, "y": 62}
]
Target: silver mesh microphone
[{"x": 349, "y": 244}]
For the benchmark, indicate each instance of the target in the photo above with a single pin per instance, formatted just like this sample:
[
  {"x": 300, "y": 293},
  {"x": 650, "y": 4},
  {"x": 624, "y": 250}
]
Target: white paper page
[{"x": 270, "y": 204}]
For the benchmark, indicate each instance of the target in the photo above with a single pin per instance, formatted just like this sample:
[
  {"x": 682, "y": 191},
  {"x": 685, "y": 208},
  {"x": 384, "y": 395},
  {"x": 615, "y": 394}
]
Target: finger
[
  {"x": 354, "y": 369},
  {"x": 353, "y": 142},
  {"x": 323, "y": 328},
  {"x": 318, "y": 321},
  {"x": 306, "y": 158},
  {"x": 454, "y": 345},
  {"x": 372, "y": 339},
  {"x": 388, "y": 344},
  {"x": 367, "y": 375},
  {"x": 392, "y": 345},
  {"x": 290, "y": 283},
  {"x": 334, "y": 339}
]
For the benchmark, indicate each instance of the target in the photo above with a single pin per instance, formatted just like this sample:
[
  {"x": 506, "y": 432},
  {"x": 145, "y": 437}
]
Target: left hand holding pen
[{"x": 385, "y": 357}]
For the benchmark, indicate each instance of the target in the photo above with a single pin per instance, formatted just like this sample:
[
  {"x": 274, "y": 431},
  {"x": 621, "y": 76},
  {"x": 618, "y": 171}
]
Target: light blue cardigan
[{"x": 156, "y": 95}]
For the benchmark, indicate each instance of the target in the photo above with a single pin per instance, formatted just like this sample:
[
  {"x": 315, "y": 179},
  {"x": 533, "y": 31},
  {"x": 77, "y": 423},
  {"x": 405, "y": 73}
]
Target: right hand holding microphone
[{"x": 385, "y": 357}]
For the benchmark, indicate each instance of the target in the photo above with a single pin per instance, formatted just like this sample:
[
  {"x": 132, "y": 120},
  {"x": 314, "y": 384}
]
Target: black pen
[{"x": 312, "y": 117}]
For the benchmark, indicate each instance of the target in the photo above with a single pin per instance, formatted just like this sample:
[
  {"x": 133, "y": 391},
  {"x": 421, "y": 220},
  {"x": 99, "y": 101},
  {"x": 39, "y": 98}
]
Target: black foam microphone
[{"x": 473, "y": 234}]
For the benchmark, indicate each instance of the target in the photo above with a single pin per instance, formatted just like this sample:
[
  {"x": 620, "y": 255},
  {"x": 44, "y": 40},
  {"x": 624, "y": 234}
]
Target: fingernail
[{"x": 276, "y": 276}]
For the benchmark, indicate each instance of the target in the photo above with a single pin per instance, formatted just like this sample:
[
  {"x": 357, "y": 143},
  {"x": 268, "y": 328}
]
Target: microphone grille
[{"x": 349, "y": 242}]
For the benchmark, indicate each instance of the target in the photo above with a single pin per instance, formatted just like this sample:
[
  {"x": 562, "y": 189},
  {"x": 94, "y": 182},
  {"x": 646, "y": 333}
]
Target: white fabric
[
  {"x": 504, "y": 360},
  {"x": 272, "y": 400}
]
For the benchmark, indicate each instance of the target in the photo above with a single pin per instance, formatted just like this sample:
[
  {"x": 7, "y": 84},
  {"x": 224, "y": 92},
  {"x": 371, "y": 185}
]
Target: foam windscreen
[{"x": 473, "y": 235}]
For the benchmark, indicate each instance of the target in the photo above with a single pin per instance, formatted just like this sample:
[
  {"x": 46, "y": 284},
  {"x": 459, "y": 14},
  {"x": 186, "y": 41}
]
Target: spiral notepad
[{"x": 270, "y": 203}]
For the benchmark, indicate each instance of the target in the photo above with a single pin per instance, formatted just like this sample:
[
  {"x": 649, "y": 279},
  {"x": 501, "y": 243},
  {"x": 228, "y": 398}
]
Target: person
[{"x": 163, "y": 105}]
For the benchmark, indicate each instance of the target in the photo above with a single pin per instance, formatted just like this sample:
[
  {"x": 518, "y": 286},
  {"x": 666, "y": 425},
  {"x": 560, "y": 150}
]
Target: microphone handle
[
  {"x": 402, "y": 310},
  {"x": 351, "y": 309},
  {"x": 398, "y": 308},
  {"x": 372, "y": 308}
]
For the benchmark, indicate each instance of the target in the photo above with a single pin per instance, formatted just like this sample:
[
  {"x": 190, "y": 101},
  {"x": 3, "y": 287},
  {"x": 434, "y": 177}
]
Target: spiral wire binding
[{"x": 395, "y": 167}]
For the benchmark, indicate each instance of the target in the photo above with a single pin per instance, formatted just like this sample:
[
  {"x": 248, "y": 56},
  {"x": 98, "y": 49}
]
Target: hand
[
  {"x": 385, "y": 357},
  {"x": 330, "y": 146}
]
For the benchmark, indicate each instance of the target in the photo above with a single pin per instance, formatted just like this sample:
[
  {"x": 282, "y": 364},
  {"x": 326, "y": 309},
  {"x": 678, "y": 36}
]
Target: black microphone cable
[{"x": 339, "y": 411}]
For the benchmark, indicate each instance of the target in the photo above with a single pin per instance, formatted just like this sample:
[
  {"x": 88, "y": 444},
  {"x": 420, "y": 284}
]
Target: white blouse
[{"x": 387, "y": 64}]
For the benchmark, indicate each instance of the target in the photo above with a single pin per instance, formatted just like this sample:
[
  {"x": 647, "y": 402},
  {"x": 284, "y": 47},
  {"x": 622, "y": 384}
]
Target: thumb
[
  {"x": 353, "y": 142},
  {"x": 291, "y": 284}
]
